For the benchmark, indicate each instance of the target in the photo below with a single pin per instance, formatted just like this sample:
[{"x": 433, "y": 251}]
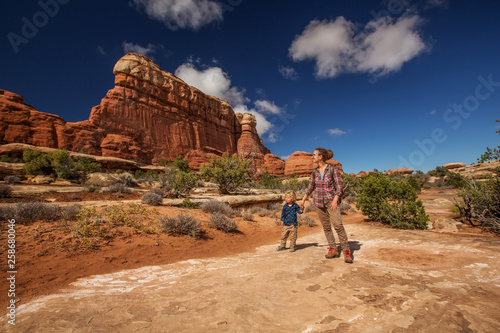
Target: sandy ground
[{"x": 401, "y": 281}]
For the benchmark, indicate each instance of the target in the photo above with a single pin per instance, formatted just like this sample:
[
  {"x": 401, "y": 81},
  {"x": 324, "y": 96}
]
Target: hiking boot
[
  {"x": 347, "y": 256},
  {"x": 332, "y": 252},
  {"x": 280, "y": 248},
  {"x": 292, "y": 249}
]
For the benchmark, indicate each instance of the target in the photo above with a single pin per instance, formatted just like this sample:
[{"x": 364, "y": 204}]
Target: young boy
[{"x": 289, "y": 219}]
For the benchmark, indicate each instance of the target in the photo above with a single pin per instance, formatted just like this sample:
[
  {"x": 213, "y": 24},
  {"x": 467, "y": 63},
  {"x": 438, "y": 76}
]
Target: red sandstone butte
[{"x": 404, "y": 171}]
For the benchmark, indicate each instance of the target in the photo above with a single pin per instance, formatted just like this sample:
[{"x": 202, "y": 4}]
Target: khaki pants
[
  {"x": 288, "y": 230},
  {"x": 329, "y": 218}
]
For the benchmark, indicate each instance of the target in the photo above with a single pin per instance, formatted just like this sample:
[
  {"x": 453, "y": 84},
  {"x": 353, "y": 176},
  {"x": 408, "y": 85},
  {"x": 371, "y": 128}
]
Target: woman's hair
[
  {"x": 291, "y": 194},
  {"x": 325, "y": 153}
]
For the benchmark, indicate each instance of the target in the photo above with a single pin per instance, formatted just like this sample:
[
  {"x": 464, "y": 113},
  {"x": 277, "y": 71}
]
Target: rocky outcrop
[
  {"x": 451, "y": 166},
  {"x": 404, "y": 171},
  {"x": 149, "y": 115},
  {"x": 274, "y": 165},
  {"x": 300, "y": 164},
  {"x": 479, "y": 170}
]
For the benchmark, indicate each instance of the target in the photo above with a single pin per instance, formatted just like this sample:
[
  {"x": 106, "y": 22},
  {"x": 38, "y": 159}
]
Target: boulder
[
  {"x": 103, "y": 179},
  {"x": 447, "y": 225}
]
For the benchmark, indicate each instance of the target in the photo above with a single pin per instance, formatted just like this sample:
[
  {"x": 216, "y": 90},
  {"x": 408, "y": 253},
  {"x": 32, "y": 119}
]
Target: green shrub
[
  {"x": 187, "y": 203},
  {"x": 293, "y": 184},
  {"x": 5, "y": 191},
  {"x": 391, "y": 202},
  {"x": 415, "y": 183},
  {"x": 456, "y": 180},
  {"x": 268, "y": 181},
  {"x": 214, "y": 206},
  {"x": 5, "y": 159},
  {"x": 439, "y": 172},
  {"x": 152, "y": 199},
  {"x": 181, "y": 164},
  {"x": 185, "y": 182},
  {"x": 182, "y": 224},
  {"x": 87, "y": 165},
  {"x": 222, "y": 222},
  {"x": 351, "y": 185},
  {"x": 229, "y": 173}
]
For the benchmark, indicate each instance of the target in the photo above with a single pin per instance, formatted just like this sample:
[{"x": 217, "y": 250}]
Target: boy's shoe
[
  {"x": 347, "y": 256},
  {"x": 279, "y": 248},
  {"x": 332, "y": 252},
  {"x": 292, "y": 249}
]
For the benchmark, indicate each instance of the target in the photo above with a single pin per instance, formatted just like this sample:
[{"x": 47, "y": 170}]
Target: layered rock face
[{"x": 149, "y": 115}]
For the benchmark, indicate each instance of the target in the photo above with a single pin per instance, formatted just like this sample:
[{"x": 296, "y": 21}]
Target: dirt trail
[{"x": 411, "y": 281}]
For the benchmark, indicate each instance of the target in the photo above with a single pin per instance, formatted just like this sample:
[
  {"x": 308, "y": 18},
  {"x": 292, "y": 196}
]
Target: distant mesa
[
  {"x": 404, "y": 171},
  {"x": 451, "y": 166},
  {"x": 148, "y": 116}
]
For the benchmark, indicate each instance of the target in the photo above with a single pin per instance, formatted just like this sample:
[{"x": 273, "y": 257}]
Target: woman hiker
[{"x": 326, "y": 183}]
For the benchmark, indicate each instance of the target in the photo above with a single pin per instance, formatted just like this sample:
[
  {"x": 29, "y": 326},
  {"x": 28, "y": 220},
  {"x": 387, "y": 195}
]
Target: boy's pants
[
  {"x": 329, "y": 218},
  {"x": 289, "y": 230}
]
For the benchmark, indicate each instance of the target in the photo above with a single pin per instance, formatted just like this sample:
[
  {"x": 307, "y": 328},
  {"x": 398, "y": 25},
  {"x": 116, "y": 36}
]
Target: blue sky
[{"x": 383, "y": 84}]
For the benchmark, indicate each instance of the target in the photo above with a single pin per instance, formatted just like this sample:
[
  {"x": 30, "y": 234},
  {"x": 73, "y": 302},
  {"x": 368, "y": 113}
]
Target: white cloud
[
  {"x": 338, "y": 46},
  {"x": 184, "y": 14},
  {"x": 336, "y": 132},
  {"x": 433, "y": 112},
  {"x": 288, "y": 72},
  {"x": 267, "y": 107},
  {"x": 284, "y": 158},
  {"x": 212, "y": 81},
  {"x": 146, "y": 51}
]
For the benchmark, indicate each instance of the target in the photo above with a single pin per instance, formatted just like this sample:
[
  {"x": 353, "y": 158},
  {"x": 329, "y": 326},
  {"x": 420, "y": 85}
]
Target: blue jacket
[{"x": 289, "y": 214}]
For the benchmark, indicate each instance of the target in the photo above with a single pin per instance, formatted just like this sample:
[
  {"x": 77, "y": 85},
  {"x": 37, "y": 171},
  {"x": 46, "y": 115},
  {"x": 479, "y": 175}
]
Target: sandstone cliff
[{"x": 149, "y": 115}]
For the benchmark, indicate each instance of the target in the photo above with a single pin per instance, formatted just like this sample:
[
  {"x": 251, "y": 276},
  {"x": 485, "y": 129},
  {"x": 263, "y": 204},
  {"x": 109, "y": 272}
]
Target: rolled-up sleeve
[{"x": 312, "y": 185}]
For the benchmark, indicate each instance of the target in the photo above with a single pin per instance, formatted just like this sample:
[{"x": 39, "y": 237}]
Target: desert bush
[
  {"x": 415, "y": 183},
  {"x": 275, "y": 206},
  {"x": 247, "y": 215},
  {"x": 12, "y": 179},
  {"x": 481, "y": 204},
  {"x": 455, "y": 180},
  {"x": 182, "y": 224},
  {"x": 5, "y": 191},
  {"x": 4, "y": 158},
  {"x": 214, "y": 206},
  {"x": 391, "y": 202},
  {"x": 293, "y": 184},
  {"x": 152, "y": 199},
  {"x": 157, "y": 191},
  {"x": 306, "y": 220},
  {"x": 91, "y": 188},
  {"x": 185, "y": 182},
  {"x": 309, "y": 208},
  {"x": 167, "y": 178},
  {"x": 127, "y": 178},
  {"x": 261, "y": 211},
  {"x": 229, "y": 173},
  {"x": 117, "y": 215},
  {"x": 187, "y": 203},
  {"x": 345, "y": 208},
  {"x": 25, "y": 212},
  {"x": 222, "y": 222},
  {"x": 268, "y": 181},
  {"x": 118, "y": 188}
]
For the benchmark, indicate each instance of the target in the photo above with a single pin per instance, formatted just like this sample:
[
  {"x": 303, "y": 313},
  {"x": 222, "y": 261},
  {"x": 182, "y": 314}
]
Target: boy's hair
[{"x": 291, "y": 194}]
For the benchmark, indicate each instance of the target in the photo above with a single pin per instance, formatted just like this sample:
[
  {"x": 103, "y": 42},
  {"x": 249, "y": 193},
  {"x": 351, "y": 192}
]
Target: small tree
[
  {"x": 185, "y": 182},
  {"x": 228, "y": 173},
  {"x": 391, "y": 202},
  {"x": 182, "y": 164},
  {"x": 490, "y": 154}
]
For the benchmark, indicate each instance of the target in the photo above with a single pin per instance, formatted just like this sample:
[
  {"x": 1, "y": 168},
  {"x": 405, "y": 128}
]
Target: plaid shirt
[{"x": 325, "y": 189}]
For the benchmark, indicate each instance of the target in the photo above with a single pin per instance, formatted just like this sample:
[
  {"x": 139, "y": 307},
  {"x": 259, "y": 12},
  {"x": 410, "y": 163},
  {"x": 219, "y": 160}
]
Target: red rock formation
[
  {"x": 451, "y": 166},
  {"x": 300, "y": 163},
  {"x": 149, "y": 115},
  {"x": 404, "y": 171},
  {"x": 274, "y": 165}
]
